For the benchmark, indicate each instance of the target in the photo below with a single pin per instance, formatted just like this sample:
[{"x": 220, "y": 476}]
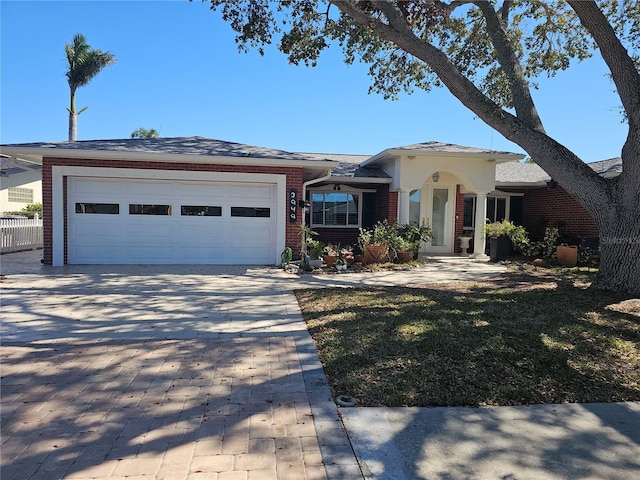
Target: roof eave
[
  {"x": 37, "y": 154},
  {"x": 539, "y": 183},
  {"x": 345, "y": 179},
  {"x": 499, "y": 157}
]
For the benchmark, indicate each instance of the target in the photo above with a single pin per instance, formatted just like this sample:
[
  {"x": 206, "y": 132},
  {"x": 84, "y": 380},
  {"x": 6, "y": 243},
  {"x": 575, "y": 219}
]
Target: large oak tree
[{"x": 488, "y": 54}]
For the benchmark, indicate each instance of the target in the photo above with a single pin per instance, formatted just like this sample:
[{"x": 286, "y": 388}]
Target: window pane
[
  {"x": 515, "y": 210},
  {"x": 200, "y": 211},
  {"x": 335, "y": 209},
  {"x": 469, "y": 211},
  {"x": 317, "y": 208},
  {"x": 491, "y": 209},
  {"x": 414, "y": 207},
  {"x": 501, "y": 208},
  {"x": 260, "y": 212},
  {"x": 353, "y": 210},
  {"x": 144, "y": 209},
  {"x": 101, "y": 208}
]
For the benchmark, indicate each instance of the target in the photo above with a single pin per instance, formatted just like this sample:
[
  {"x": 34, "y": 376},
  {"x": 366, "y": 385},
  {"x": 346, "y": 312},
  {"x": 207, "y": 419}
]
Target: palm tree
[
  {"x": 145, "y": 133},
  {"x": 84, "y": 64}
]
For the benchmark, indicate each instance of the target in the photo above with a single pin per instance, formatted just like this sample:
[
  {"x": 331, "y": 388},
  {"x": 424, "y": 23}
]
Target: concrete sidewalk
[{"x": 551, "y": 442}]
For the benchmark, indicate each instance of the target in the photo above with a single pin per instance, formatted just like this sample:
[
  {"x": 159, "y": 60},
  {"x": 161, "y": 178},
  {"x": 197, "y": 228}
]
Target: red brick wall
[
  {"x": 543, "y": 207},
  {"x": 342, "y": 236},
  {"x": 386, "y": 204},
  {"x": 47, "y": 221},
  {"x": 294, "y": 180}
]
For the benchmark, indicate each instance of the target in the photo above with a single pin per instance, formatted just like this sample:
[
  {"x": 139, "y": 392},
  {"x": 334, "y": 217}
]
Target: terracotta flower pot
[
  {"x": 405, "y": 256},
  {"x": 330, "y": 259},
  {"x": 567, "y": 255},
  {"x": 375, "y": 253}
]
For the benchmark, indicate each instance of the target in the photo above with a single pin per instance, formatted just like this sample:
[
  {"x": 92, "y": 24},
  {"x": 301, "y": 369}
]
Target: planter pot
[
  {"x": 405, "y": 256},
  {"x": 499, "y": 248},
  {"x": 330, "y": 259},
  {"x": 464, "y": 245},
  {"x": 376, "y": 253},
  {"x": 314, "y": 263},
  {"x": 567, "y": 255}
]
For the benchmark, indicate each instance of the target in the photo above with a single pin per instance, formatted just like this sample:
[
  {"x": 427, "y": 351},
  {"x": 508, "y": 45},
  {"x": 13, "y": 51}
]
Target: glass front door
[{"x": 439, "y": 207}]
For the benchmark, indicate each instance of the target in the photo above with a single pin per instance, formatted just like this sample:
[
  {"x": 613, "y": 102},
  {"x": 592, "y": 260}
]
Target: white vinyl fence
[{"x": 17, "y": 234}]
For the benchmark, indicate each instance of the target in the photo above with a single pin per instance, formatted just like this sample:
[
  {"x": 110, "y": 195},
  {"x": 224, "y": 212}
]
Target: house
[
  {"x": 198, "y": 200},
  {"x": 20, "y": 184}
]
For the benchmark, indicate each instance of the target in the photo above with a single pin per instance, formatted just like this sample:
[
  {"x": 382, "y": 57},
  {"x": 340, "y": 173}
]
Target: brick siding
[{"x": 544, "y": 207}]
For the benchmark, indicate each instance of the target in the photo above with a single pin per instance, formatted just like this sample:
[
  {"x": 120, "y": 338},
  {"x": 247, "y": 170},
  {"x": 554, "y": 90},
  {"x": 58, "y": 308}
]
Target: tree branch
[
  {"x": 553, "y": 157},
  {"x": 522, "y": 100}
]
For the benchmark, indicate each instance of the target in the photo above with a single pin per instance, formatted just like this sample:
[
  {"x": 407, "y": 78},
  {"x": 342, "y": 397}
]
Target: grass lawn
[{"x": 528, "y": 337}]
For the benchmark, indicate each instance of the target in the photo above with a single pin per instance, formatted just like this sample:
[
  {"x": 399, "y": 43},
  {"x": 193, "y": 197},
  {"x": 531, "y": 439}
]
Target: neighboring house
[
  {"x": 20, "y": 184},
  {"x": 198, "y": 200}
]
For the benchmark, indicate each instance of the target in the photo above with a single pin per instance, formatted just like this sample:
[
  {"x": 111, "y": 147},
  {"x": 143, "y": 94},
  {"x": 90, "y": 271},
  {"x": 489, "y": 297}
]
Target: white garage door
[{"x": 138, "y": 221}]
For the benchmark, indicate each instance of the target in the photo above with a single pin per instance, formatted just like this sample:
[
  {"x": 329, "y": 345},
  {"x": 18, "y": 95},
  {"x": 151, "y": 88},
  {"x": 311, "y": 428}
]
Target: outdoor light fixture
[
  {"x": 337, "y": 187},
  {"x": 552, "y": 184},
  {"x": 435, "y": 177}
]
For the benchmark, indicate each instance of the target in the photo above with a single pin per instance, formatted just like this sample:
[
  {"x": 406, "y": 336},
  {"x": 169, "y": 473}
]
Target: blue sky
[{"x": 179, "y": 72}]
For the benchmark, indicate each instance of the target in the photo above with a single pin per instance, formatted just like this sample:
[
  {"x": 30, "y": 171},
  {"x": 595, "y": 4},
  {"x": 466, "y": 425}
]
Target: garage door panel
[
  {"x": 96, "y": 254},
  {"x": 204, "y": 233},
  {"x": 97, "y": 188}
]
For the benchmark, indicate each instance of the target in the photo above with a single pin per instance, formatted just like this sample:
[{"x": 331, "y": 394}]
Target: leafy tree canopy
[{"x": 546, "y": 35}]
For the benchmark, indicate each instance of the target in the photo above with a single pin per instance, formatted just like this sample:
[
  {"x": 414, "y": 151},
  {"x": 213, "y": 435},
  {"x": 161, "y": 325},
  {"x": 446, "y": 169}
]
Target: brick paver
[
  {"x": 156, "y": 373},
  {"x": 157, "y": 409}
]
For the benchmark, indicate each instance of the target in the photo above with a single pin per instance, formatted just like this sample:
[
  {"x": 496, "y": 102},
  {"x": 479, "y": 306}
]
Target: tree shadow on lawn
[{"x": 492, "y": 343}]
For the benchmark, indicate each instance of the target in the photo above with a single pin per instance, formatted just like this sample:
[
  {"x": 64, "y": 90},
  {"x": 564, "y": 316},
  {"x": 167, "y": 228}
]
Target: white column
[
  {"x": 479, "y": 240},
  {"x": 57, "y": 216},
  {"x": 403, "y": 206}
]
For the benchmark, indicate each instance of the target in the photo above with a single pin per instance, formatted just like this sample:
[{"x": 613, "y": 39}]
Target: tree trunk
[
  {"x": 619, "y": 250},
  {"x": 73, "y": 126}
]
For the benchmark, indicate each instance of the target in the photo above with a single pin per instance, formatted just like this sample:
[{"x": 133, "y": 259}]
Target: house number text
[{"x": 293, "y": 205}]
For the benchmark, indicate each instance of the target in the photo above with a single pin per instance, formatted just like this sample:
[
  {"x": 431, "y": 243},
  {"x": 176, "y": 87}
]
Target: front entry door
[{"x": 438, "y": 208}]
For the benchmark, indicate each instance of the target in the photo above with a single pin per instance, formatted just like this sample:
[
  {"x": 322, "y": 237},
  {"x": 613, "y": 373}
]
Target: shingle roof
[
  {"x": 608, "y": 168},
  {"x": 449, "y": 148},
  {"x": 10, "y": 166},
  {"x": 522, "y": 173},
  {"x": 349, "y": 165},
  {"x": 516, "y": 172},
  {"x": 174, "y": 145}
]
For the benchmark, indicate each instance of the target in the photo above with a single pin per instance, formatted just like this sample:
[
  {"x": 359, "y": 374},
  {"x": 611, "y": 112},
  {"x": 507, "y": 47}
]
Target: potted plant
[
  {"x": 410, "y": 237},
  {"x": 499, "y": 242},
  {"x": 330, "y": 255},
  {"x": 315, "y": 249},
  {"x": 567, "y": 255},
  {"x": 341, "y": 262},
  {"x": 374, "y": 243},
  {"x": 404, "y": 249}
]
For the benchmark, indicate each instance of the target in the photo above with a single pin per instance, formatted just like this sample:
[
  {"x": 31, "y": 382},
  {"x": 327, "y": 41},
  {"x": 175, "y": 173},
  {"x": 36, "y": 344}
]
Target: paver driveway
[{"x": 163, "y": 372}]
